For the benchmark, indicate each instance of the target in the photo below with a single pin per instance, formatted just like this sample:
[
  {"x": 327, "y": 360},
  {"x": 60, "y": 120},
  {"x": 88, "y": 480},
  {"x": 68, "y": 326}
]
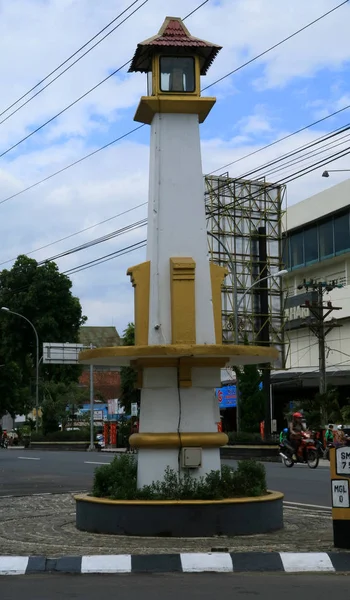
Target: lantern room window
[{"x": 177, "y": 74}]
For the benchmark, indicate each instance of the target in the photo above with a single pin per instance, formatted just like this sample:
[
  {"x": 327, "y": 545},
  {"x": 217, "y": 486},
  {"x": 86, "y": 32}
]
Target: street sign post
[
  {"x": 340, "y": 482},
  {"x": 61, "y": 354}
]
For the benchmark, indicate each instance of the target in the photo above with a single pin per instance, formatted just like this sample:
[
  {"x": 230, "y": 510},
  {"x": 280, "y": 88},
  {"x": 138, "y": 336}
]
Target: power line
[
  {"x": 195, "y": 10},
  {"x": 284, "y": 180},
  {"x": 61, "y": 112},
  {"x": 68, "y": 59},
  {"x": 76, "y": 162},
  {"x": 296, "y": 151},
  {"x": 67, "y": 237},
  {"x": 276, "y": 45},
  {"x": 285, "y": 137},
  {"x": 308, "y": 155},
  {"x": 96, "y": 241},
  {"x": 105, "y": 258}
]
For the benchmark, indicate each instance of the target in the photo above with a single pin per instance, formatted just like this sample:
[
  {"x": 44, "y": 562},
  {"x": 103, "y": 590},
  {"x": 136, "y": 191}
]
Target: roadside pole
[
  {"x": 92, "y": 445},
  {"x": 340, "y": 482}
]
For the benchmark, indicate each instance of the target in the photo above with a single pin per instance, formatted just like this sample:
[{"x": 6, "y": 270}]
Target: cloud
[{"x": 37, "y": 35}]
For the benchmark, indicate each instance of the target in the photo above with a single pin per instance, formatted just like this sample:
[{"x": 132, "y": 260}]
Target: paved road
[
  {"x": 35, "y": 472},
  {"x": 187, "y": 587}
]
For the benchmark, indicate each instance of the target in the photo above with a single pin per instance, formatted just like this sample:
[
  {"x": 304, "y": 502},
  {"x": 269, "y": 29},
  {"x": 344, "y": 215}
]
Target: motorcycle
[
  {"x": 4, "y": 443},
  {"x": 307, "y": 452}
]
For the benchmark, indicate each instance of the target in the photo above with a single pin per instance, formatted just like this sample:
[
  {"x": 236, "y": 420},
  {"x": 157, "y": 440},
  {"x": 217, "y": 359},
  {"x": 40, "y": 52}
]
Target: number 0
[{"x": 341, "y": 499}]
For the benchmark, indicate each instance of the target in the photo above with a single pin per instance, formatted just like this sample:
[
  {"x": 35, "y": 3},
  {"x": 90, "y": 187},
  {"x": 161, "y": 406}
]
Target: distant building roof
[
  {"x": 99, "y": 336},
  {"x": 173, "y": 34}
]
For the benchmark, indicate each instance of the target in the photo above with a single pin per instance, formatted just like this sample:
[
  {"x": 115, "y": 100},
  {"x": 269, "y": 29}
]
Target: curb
[{"x": 215, "y": 562}]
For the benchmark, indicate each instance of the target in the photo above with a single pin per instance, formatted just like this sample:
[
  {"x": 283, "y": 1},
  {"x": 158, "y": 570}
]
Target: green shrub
[
  {"x": 118, "y": 481},
  {"x": 250, "y": 478},
  {"x": 243, "y": 437},
  {"x": 81, "y": 435}
]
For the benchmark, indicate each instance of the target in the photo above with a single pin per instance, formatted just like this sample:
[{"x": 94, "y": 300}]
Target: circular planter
[{"x": 185, "y": 518}]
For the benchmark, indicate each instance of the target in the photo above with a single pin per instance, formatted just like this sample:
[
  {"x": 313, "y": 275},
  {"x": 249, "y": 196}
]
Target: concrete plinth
[{"x": 238, "y": 516}]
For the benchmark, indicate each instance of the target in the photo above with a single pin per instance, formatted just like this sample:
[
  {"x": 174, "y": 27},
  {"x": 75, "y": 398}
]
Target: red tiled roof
[{"x": 173, "y": 34}]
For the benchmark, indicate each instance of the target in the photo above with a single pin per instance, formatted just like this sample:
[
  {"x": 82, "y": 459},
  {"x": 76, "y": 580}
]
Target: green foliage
[
  {"x": 128, "y": 375},
  {"x": 345, "y": 413},
  {"x": 58, "y": 397},
  {"x": 252, "y": 399},
  {"x": 43, "y": 295},
  {"x": 320, "y": 410},
  {"x": 118, "y": 481},
  {"x": 242, "y": 437},
  {"x": 10, "y": 388},
  {"x": 79, "y": 435}
]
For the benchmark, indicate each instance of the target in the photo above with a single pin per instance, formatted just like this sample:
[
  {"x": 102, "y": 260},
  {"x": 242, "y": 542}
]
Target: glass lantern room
[{"x": 177, "y": 74}]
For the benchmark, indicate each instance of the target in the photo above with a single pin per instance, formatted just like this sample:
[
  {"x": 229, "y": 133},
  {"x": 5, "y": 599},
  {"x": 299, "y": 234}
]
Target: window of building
[
  {"x": 297, "y": 249},
  {"x": 310, "y": 244},
  {"x": 341, "y": 233},
  {"x": 177, "y": 74},
  {"x": 325, "y": 238},
  {"x": 285, "y": 252}
]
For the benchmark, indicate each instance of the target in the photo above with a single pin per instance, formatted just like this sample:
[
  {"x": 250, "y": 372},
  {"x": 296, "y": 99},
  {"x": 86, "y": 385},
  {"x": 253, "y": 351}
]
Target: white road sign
[
  {"x": 134, "y": 409},
  {"x": 61, "y": 354},
  {"x": 340, "y": 493},
  {"x": 343, "y": 461}
]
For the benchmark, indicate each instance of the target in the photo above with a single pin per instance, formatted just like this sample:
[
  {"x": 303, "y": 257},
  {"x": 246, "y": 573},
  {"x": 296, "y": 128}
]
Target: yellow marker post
[{"x": 340, "y": 481}]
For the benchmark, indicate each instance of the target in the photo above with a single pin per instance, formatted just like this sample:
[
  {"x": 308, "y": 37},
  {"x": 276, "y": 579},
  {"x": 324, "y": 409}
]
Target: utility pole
[{"x": 320, "y": 310}]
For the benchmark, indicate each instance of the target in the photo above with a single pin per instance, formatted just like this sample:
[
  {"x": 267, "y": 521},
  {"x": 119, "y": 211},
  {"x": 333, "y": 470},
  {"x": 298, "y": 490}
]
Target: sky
[{"x": 302, "y": 80}]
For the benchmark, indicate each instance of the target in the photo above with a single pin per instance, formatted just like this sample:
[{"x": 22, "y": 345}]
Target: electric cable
[
  {"x": 67, "y": 237},
  {"x": 67, "y": 60},
  {"x": 61, "y": 112},
  {"x": 276, "y": 45}
]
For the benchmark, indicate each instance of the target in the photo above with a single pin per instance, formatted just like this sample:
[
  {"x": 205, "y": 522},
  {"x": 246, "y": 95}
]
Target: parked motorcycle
[
  {"x": 4, "y": 443},
  {"x": 307, "y": 452}
]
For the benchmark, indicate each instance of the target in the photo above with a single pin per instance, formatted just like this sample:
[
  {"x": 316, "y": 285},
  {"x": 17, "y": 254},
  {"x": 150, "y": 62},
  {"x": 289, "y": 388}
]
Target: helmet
[
  {"x": 297, "y": 415},
  {"x": 285, "y": 430}
]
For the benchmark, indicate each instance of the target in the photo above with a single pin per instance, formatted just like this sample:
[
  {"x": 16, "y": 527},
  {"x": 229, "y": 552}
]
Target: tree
[
  {"x": 43, "y": 295},
  {"x": 251, "y": 398},
  {"x": 320, "y": 410},
  {"x": 61, "y": 400},
  {"x": 128, "y": 375},
  {"x": 10, "y": 388}
]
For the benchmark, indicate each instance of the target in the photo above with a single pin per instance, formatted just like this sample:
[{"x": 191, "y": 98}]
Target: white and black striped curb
[{"x": 215, "y": 562}]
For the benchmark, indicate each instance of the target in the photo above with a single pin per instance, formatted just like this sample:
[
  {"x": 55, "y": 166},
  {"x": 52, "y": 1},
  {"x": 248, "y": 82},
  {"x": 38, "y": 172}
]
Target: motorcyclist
[
  {"x": 340, "y": 439},
  {"x": 329, "y": 437},
  {"x": 295, "y": 432},
  {"x": 284, "y": 435}
]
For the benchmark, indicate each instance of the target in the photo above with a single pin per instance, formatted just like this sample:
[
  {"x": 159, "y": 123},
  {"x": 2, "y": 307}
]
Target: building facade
[{"x": 317, "y": 249}]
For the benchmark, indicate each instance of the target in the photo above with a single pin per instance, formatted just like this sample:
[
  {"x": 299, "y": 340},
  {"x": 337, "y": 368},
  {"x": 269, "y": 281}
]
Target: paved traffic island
[
  {"x": 180, "y": 518},
  {"x": 45, "y": 525}
]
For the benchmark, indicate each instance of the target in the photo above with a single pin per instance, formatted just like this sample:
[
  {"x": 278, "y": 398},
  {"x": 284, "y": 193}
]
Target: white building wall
[{"x": 302, "y": 344}]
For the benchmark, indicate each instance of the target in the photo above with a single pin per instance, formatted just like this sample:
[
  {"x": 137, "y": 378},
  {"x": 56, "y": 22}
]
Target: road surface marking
[
  {"x": 306, "y": 505},
  {"x": 90, "y": 462},
  {"x": 27, "y": 458}
]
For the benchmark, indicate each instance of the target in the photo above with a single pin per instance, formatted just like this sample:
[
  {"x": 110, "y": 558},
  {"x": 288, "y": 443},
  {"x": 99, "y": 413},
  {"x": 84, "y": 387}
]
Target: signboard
[
  {"x": 98, "y": 415},
  {"x": 343, "y": 461},
  {"x": 294, "y": 315},
  {"x": 340, "y": 493},
  {"x": 113, "y": 407},
  {"x": 134, "y": 409},
  {"x": 61, "y": 354},
  {"x": 226, "y": 396}
]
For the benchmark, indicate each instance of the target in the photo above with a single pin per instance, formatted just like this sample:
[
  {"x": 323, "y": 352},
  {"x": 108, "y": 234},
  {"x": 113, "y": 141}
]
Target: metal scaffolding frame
[{"x": 246, "y": 215}]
